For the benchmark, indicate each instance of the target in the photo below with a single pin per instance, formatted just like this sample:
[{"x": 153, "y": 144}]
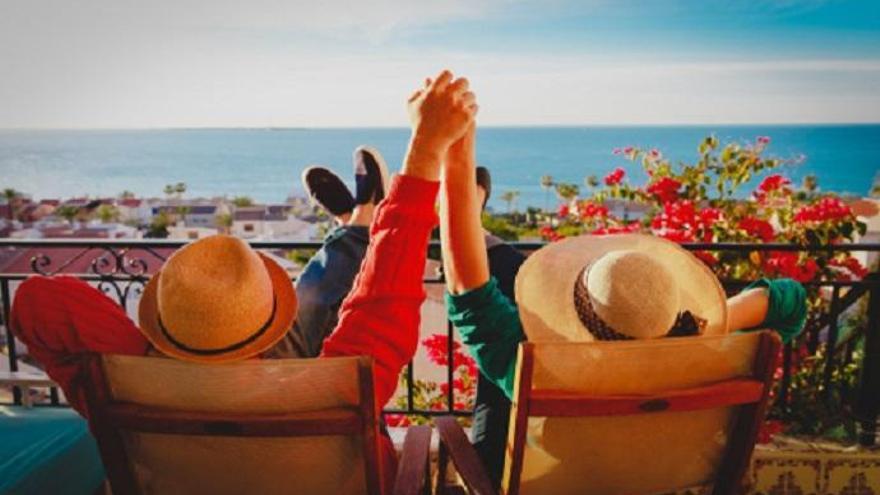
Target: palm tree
[
  {"x": 67, "y": 212},
  {"x": 126, "y": 194},
  {"x": 223, "y": 222},
  {"x": 567, "y": 192},
  {"x": 509, "y": 197},
  {"x": 107, "y": 213},
  {"x": 180, "y": 188},
  {"x": 546, "y": 184},
  {"x": 169, "y": 190},
  {"x": 12, "y": 198}
]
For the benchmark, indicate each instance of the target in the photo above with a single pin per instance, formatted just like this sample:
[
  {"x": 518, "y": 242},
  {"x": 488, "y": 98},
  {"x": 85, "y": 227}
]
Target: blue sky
[{"x": 195, "y": 63}]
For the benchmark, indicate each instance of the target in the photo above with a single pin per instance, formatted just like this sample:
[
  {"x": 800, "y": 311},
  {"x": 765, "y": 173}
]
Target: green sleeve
[
  {"x": 787, "y": 307},
  {"x": 489, "y": 326}
]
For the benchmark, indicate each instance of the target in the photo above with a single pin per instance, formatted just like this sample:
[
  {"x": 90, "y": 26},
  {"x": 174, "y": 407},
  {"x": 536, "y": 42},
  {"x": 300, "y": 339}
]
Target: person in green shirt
[{"x": 489, "y": 322}]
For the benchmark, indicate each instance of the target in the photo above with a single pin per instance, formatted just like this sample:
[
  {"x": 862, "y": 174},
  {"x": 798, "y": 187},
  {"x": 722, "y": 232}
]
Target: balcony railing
[{"x": 120, "y": 268}]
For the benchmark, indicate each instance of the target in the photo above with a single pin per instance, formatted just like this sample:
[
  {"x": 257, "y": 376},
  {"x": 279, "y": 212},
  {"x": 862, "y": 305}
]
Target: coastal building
[
  {"x": 184, "y": 233},
  {"x": 273, "y": 222},
  {"x": 134, "y": 211}
]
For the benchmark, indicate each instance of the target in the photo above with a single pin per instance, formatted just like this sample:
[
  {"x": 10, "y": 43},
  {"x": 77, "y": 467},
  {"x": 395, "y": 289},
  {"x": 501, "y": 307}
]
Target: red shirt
[{"x": 62, "y": 318}]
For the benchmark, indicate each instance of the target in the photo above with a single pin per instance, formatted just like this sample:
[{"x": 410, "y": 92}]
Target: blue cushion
[{"x": 47, "y": 450}]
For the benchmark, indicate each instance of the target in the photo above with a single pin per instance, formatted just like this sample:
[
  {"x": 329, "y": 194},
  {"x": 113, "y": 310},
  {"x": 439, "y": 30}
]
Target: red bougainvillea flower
[
  {"x": 773, "y": 182},
  {"x": 615, "y": 177},
  {"x": 788, "y": 264},
  {"x": 769, "y": 429},
  {"x": 549, "y": 234},
  {"x": 629, "y": 228},
  {"x": 397, "y": 420},
  {"x": 708, "y": 216},
  {"x": 589, "y": 209},
  {"x": 563, "y": 211},
  {"x": 828, "y": 208},
  {"x": 675, "y": 235},
  {"x": 676, "y": 215},
  {"x": 849, "y": 267},
  {"x": 756, "y": 227},
  {"x": 665, "y": 189},
  {"x": 654, "y": 154},
  {"x": 763, "y": 140}
]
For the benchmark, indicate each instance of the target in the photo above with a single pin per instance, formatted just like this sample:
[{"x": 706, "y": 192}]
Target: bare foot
[{"x": 362, "y": 215}]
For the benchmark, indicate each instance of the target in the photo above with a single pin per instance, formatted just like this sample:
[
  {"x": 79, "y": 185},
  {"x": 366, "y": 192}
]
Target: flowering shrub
[
  {"x": 429, "y": 395},
  {"x": 700, "y": 202}
]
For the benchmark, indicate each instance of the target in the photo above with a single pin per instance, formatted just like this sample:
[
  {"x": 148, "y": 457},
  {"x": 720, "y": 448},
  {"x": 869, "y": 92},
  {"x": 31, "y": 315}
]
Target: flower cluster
[
  {"x": 792, "y": 265},
  {"x": 664, "y": 189},
  {"x": 756, "y": 227},
  {"x": 826, "y": 209},
  {"x": 848, "y": 268},
  {"x": 615, "y": 177},
  {"x": 681, "y": 221},
  {"x": 433, "y": 396}
]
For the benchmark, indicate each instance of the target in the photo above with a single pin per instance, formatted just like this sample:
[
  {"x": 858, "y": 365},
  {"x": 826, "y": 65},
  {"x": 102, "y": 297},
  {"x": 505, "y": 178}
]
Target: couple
[{"x": 217, "y": 300}]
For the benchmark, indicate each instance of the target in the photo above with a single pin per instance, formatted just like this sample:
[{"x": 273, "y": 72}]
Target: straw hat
[
  {"x": 217, "y": 300},
  {"x": 627, "y": 286}
]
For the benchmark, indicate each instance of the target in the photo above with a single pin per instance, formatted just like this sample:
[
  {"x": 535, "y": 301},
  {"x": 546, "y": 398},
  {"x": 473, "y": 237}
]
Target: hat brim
[
  {"x": 545, "y": 284},
  {"x": 285, "y": 313}
]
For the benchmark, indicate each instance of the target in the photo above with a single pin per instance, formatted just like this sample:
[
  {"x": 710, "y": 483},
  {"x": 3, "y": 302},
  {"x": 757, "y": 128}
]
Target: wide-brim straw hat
[
  {"x": 217, "y": 300},
  {"x": 653, "y": 280}
]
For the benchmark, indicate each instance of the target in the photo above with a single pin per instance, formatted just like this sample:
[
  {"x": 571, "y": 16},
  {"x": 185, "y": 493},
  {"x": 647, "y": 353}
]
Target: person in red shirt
[{"x": 61, "y": 318}]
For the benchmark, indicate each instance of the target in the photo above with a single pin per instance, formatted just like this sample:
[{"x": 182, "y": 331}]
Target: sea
[{"x": 266, "y": 164}]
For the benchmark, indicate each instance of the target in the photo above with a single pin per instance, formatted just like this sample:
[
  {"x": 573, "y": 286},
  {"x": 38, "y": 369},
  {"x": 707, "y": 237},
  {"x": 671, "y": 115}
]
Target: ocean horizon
[{"x": 266, "y": 163}]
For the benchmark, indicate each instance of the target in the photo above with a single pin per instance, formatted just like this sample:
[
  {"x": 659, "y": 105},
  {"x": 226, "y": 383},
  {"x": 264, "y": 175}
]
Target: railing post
[
  {"x": 6, "y": 300},
  {"x": 868, "y": 399}
]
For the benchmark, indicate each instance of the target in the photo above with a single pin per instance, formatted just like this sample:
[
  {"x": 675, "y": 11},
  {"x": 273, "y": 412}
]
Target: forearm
[
  {"x": 748, "y": 309},
  {"x": 465, "y": 262}
]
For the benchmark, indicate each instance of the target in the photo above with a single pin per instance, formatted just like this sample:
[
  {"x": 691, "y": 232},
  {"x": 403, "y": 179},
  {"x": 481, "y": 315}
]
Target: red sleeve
[
  {"x": 380, "y": 317},
  {"x": 62, "y": 318}
]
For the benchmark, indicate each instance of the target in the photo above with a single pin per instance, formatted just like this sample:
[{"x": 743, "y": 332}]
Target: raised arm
[
  {"x": 465, "y": 262},
  {"x": 486, "y": 319},
  {"x": 380, "y": 316}
]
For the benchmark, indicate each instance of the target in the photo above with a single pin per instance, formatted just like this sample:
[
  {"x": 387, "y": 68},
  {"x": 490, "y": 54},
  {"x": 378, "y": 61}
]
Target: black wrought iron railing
[{"x": 120, "y": 268}]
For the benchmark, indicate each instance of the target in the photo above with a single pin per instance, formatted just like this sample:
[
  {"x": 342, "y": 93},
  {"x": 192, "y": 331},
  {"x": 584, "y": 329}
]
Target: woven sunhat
[
  {"x": 628, "y": 285},
  {"x": 217, "y": 300}
]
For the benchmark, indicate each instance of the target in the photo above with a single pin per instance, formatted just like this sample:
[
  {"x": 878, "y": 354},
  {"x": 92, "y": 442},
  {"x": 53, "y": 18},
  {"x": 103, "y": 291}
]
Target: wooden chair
[
  {"x": 630, "y": 418},
  {"x": 257, "y": 426}
]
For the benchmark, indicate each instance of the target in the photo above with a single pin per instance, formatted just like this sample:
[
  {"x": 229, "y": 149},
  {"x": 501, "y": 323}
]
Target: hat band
[
  {"x": 686, "y": 323},
  {"x": 584, "y": 307},
  {"x": 222, "y": 350}
]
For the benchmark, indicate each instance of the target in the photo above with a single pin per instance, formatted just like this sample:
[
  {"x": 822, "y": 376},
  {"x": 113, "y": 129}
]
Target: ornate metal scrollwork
[{"x": 120, "y": 274}]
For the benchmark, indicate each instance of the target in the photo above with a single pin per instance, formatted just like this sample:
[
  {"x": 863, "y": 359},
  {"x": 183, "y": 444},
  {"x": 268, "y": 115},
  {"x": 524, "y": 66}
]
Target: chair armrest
[
  {"x": 412, "y": 471},
  {"x": 454, "y": 442}
]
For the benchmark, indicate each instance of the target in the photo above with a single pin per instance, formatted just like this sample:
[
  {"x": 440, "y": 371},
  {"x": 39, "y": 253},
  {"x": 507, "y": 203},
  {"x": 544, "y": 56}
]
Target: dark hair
[{"x": 484, "y": 180}]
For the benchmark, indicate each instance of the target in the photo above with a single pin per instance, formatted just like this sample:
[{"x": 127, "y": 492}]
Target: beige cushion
[
  {"x": 170, "y": 464},
  {"x": 636, "y": 454}
]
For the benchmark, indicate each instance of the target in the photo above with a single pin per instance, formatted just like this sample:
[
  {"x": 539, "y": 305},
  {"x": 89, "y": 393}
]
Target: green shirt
[{"x": 489, "y": 324}]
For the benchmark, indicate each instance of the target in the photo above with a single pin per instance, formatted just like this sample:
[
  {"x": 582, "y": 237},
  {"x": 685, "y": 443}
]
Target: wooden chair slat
[{"x": 567, "y": 404}]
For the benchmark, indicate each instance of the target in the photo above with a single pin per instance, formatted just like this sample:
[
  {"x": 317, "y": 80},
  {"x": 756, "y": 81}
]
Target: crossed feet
[
  {"x": 371, "y": 183},
  {"x": 329, "y": 192}
]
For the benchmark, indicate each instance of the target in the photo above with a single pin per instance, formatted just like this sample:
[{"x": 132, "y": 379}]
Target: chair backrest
[
  {"x": 638, "y": 417},
  {"x": 258, "y": 426}
]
